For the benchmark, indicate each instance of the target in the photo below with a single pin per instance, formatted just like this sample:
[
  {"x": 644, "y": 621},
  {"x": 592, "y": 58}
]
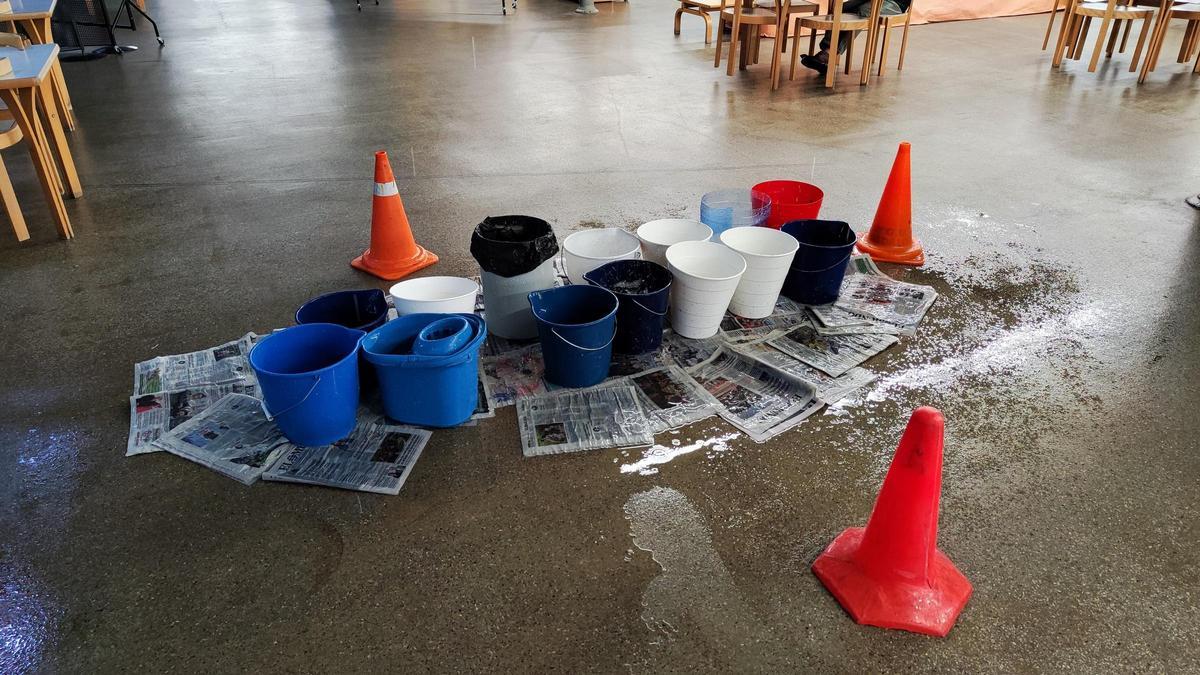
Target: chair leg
[
  {"x": 887, "y": 36},
  {"x": 720, "y": 38},
  {"x": 1125, "y": 36},
  {"x": 1063, "y": 31},
  {"x": 707, "y": 27},
  {"x": 796, "y": 54},
  {"x": 849, "y": 51},
  {"x": 1197, "y": 68},
  {"x": 903, "y": 43},
  {"x": 781, "y": 32},
  {"x": 1141, "y": 42},
  {"x": 1186, "y": 43},
  {"x": 678, "y": 17},
  {"x": 11, "y": 206},
  {"x": 1082, "y": 38},
  {"x": 1050, "y": 25},
  {"x": 1112, "y": 39},
  {"x": 1105, "y": 24},
  {"x": 831, "y": 66}
]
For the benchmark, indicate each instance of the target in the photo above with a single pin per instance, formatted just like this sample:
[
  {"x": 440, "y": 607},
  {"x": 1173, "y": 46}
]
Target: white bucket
[
  {"x": 768, "y": 254},
  {"x": 706, "y": 275},
  {"x": 506, "y": 301},
  {"x": 441, "y": 295},
  {"x": 659, "y": 235},
  {"x": 586, "y": 250}
]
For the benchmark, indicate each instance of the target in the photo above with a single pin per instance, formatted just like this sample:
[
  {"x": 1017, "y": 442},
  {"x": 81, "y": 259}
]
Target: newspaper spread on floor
[
  {"x": 750, "y": 396},
  {"x": 832, "y": 354},
  {"x": 373, "y": 458},
  {"x": 884, "y": 299},
  {"x": 152, "y": 415},
  {"x": 169, "y": 390},
  {"x": 669, "y": 396},
  {"x": 829, "y": 389},
  {"x": 233, "y": 437},
  {"x": 736, "y": 329},
  {"x": 514, "y": 375},
  {"x": 483, "y": 408},
  {"x": 573, "y": 420},
  {"x": 686, "y": 352}
]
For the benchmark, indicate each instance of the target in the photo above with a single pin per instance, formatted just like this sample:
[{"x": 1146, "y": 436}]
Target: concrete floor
[{"x": 228, "y": 178}]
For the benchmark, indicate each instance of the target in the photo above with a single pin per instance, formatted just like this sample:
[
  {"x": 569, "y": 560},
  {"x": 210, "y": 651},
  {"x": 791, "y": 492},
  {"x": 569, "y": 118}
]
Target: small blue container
[
  {"x": 432, "y": 391},
  {"x": 443, "y": 337},
  {"x": 643, "y": 289},
  {"x": 820, "y": 263},
  {"x": 309, "y": 380},
  {"x": 577, "y": 325},
  {"x": 364, "y": 309}
]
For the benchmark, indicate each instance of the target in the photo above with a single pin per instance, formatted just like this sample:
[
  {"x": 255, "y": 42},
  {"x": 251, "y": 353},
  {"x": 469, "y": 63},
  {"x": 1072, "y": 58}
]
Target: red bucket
[{"x": 791, "y": 200}]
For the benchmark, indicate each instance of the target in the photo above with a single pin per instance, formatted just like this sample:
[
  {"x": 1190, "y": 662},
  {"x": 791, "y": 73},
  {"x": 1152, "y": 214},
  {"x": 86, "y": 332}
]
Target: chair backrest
[{"x": 12, "y": 40}]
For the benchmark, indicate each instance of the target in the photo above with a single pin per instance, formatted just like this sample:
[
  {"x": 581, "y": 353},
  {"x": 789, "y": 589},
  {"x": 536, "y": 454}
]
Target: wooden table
[
  {"x": 34, "y": 18},
  {"x": 22, "y": 90}
]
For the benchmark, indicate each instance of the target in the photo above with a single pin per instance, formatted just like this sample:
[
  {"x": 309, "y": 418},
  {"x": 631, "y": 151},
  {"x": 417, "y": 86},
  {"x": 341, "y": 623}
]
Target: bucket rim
[
  {"x": 766, "y": 185},
  {"x": 353, "y": 353},
  {"x": 760, "y": 231},
  {"x": 665, "y": 287},
  {"x": 637, "y": 243},
  {"x": 708, "y": 245},
  {"x": 575, "y": 288},
  {"x": 727, "y": 195},
  {"x": 853, "y": 234},
  {"x": 352, "y": 291},
  {"x": 419, "y": 360},
  {"x": 549, "y": 229},
  {"x": 648, "y": 239},
  {"x": 416, "y": 283}
]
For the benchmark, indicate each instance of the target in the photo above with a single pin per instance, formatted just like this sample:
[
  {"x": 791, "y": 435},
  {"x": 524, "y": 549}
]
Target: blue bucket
[
  {"x": 576, "y": 325},
  {"x": 432, "y": 391},
  {"x": 309, "y": 380},
  {"x": 643, "y": 289},
  {"x": 815, "y": 277},
  {"x": 364, "y": 309}
]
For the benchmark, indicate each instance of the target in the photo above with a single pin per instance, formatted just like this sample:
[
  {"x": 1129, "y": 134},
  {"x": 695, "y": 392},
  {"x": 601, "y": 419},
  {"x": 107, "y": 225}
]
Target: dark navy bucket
[
  {"x": 364, "y": 309},
  {"x": 817, "y": 270},
  {"x": 643, "y": 289},
  {"x": 308, "y": 375},
  {"x": 432, "y": 391},
  {"x": 576, "y": 325}
]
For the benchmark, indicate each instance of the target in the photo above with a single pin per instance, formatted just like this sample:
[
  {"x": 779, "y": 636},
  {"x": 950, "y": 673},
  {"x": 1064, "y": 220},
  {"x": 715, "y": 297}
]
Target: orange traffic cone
[
  {"x": 891, "y": 574},
  {"x": 890, "y": 238},
  {"x": 393, "y": 253}
]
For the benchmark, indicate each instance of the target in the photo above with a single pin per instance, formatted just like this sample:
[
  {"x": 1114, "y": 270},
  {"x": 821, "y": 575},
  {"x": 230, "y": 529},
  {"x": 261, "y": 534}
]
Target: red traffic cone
[
  {"x": 393, "y": 253},
  {"x": 890, "y": 238},
  {"x": 891, "y": 574}
]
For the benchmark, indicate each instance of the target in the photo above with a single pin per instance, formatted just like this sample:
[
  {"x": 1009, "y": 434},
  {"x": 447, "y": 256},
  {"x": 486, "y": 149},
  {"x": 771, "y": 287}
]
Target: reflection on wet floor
[
  {"x": 27, "y": 619},
  {"x": 661, "y": 454}
]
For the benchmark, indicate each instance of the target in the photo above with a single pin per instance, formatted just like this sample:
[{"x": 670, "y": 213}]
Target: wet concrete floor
[{"x": 227, "y": 178}]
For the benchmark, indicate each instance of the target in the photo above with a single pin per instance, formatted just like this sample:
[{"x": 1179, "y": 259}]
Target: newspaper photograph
[
  {"x": 514, "y": 375},
  {"x": 863, "y": 264},
  {"x": 832, "y": 354},
  {"x": 750, "y": 396},
  {"x": 218, "y": 365},
  {"x": 574, "y": 420},
  {"x": 152, "y": 415},
  {"x": 885, "y": 299},
  {"x": 686, "y": 352},
  {"x": 670, "y": 398},
  {"x": 829, "y": 389},
  {"x": 373, "y": 458},
  {"x": 232, "y": 437}
]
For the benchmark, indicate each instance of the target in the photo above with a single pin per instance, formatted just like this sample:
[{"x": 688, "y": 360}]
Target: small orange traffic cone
[
  {"x": 891, "y": 574},
  {"x": 393, "y": 253},
  {"x": 890, "y": 238}
]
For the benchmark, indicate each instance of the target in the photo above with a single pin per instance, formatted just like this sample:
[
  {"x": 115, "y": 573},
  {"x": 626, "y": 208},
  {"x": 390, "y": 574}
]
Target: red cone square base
[{"x": 888, "y": 600}]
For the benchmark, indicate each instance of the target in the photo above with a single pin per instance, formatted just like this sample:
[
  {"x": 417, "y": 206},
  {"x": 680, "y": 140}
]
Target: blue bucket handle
[
  {"x": 663, "y": 313},
  {"x": 263, "y": 404},
  {"x": 843, "y": 261},
  {"x": 588, "y": 349}
]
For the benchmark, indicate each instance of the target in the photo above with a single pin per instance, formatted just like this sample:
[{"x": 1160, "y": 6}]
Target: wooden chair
[
  {"x": 1185, "y": 12},
  {"x": 886, "y": 24},
  {"x": 700, "y": 8},
  {"x": 1078, "y": 20},
  {"x": 835, "y": 23},
  {"x": 8, "y": 138}
]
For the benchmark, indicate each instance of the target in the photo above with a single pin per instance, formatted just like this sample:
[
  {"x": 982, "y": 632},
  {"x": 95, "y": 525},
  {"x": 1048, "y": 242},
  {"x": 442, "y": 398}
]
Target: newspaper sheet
[
  {"x": 669, "y": 396},
  {"x": 835, "y": 320},
  {"x": 631, "y": 364},
  {"x": 686, "y": 352},
  {"x": 218, "y": 365},
  {"x": 806, "y": 412},
  {"x": 483, "y": 408},
  {"x": 573, "y": 420},
  {"x": 736, "y": 329},
  {"x": 832, "y": 354},
  {"x": 373, "y": 458},
  {"x": 233, "y": 437},
  {"x": 829, "y": 389},
  {"x": 750, "y": 396},
  {"x": 514, "y": 375},
  {"x": 885, "y": 299},
  {"x": 152, "y": 415},
  {"x": 863, "y": 264}
]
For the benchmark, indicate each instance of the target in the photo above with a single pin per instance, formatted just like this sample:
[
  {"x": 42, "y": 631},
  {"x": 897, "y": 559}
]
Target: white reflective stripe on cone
[{"x": 386, "y": 189}]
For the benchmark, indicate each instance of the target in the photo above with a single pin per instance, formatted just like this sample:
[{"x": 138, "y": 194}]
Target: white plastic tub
[
  {"x": 439, "y": 295},
  {"x": 659, "y": 235},
  {"x": 585, "y": 251},
  {"x": 768, "y": 254},
  {"x": 706, "y": 276}
]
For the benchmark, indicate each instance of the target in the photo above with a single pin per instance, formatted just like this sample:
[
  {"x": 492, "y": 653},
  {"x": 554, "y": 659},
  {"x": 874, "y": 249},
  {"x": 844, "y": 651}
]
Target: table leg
[
  {"x": 22, "y": 104},
  {"x": 55, "y": 132},
  {"x": 39, "y": 31}
]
